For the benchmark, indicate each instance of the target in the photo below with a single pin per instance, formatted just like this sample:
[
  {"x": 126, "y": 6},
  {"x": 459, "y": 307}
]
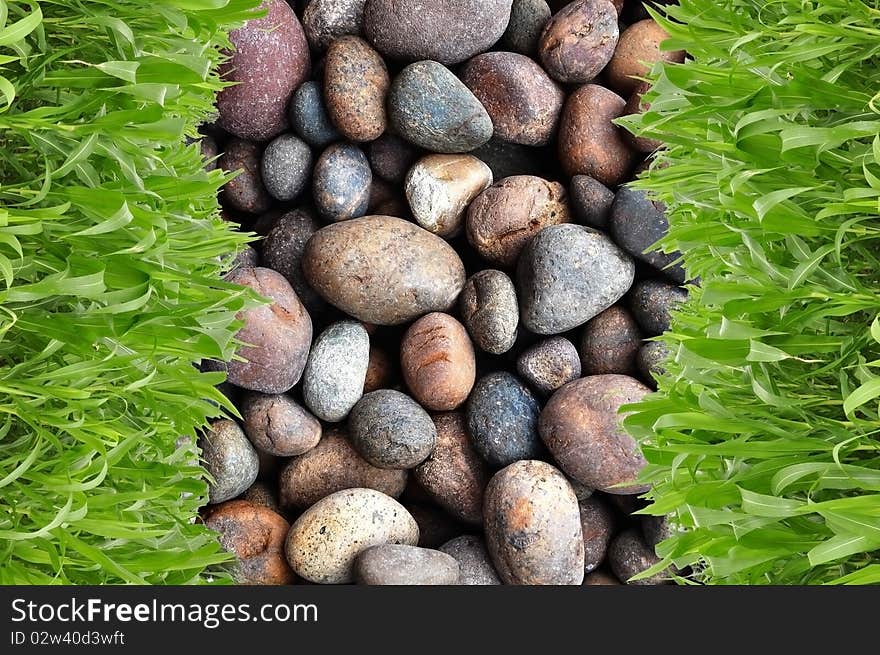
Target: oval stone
[
  {"x": 399, "y": 564},
  {"x": 383, "y": 270},
  {"x": 276, "y": 424},
  {"x": 391, "y": 430},
  {"x": 490, "y": 311},
  {"x": 325, "y": 20},
  {"x": 579, "y": 40},
  {"x": 549, "y": 364},
  {"x": 473, "y": 559},
  {"x": 527, "y": 20},
  {"x": 333, "y": 380},
  {"x": 286, "y": 166},
  {"x": 341, "y": 184},
  {"x": 355, "y": 85},
  {"x": 309, "y": 118},
  {"x": 609, "y": 343},
  {"x": 230, "y": 459}
]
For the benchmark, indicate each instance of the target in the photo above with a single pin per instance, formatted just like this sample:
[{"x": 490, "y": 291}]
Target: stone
[{"x": 333, "y": 380}]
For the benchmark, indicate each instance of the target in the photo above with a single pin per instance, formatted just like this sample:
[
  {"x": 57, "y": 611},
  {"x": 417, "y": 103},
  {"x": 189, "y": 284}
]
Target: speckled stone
[
  {"x": 356, "y": 83},
  {"x": 629, "y": 555},
  {"x": 651, "y": 302},
  {"x": 230, "y": 460},
  {"x": 399, "y": 564},
  {"x": 283, "y": 250},
  {"x": 333, "y": 380},
  {"x": 341, "y": 184},
  {"x": 245, "y": 192},
  {"x": 597, "y": 524},
  {"x": 520, "y": 98},
  {"x": 502, "y": 419},
  {"x": 309, "y": 117},
  {"x": 439, "y": 189},
  {"x": 286, "y": 166},
  {"x": 490, "y": 311},
  {"x": 325, "y": 540},
  {"x": 610, "y": 342},
  {"x": 260, "y": 493},
  {"x": 432, "y": 108},
  {"x": 390, "y": 430},
  {"x": 326, "y": 20},
  {"x": 383, "y": 270},
  {"x": 650, "y": 360},
  {"x": 567, "y": 275},
  {"x": 448, "y": 31},
  {"x": 579, "y": 40},
  {"x": 637, "y": 51},
  {"x": 271, "y": 59},
  {"x": 391, "y": 157},
  {"x": 549, "y": 364},
  {"x": 278, "y": 335},
  {"x": 590, "y": 201},
  {"x": 636, "y": 224},
  {"x": 527, "y": 20},
  {"x": 278, "y": 425},
  {"x": 473, "y": 559},
  {"x": 656, "y": 529}
]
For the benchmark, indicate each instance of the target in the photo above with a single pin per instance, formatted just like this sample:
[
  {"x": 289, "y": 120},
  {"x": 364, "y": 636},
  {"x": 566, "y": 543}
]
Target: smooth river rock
[{"x": 333, "y": 380}]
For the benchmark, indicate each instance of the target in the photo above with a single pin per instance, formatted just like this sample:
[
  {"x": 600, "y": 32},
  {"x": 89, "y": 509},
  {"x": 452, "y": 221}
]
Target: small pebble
[
  {"x": 590, "y": 201},
  {"x": 333, "y": 380},
  {"x": 527, "y": 20},
  {"x": 309, "y": 117},
  {"x": 260, "y": 493},
  {"x": 651, "y": 302},
  {"x": 398, "y": 564},
  {"x": 391, "y": 157},
  {"x": 635, "y": 105},
  {"x": 380, "y": 370},
  {"x": 326, "y": 20},
  {"x": 598, "y": 526},
  {"x": 490, "y": 311},
  {"x": 610, "y": 343},
  {"x": 579, "y": 40},
  {"x": 390, "y": 430},
  {"x": 637, "y": 51},
  {"x": 229, "y": 459},
  {"x": 549, "y": 364},
  {"x": 629, "y": 555},
  {"x": 651, "y": 358},
  {"x": 356, "y": 84},
  {"x": 475, "y": 565},
  {"x": 277, "y": 425},
  {"x": 341, "y": 183},
  {"x": 245, "y": 192},
  {"x": 283, "y": 249},
  {"x": 286, "y": 166}
]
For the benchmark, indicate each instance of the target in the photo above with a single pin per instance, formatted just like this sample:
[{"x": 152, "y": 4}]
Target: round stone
[
  {"x": 286, "y": 166},
  {"x": 527, "y": 20},
  {"x": 609, "y": 343},
  {"x": 549, "y": 364},
  {"x": 473, "y": 559},
  {"x": 651, "y": 302},
  {"x": 276, "y": 424},
  {"x": 333, "y": 380},
  {"x": 590, "y": 201},
  {"x": 341, "y": 184},
  {"x": 400, "y": 564},
  {"x": 309, "y": 118},
  {"x": 390, "y": 430},
  {"x": 579, "y": 40},
  {"x": 326, "y": 20},
  {"x": 283, "y": 250},
  {"x": 355, "y": 86},
  {"x": 245, "y": 192},
  {"x": 230, "y": 460},
  {"x": 489, "y": 310}
]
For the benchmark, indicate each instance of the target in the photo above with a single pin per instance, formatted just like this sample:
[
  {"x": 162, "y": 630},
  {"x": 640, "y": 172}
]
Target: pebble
[
  {"x": 391, "y": 157},
  {"x": 356, "y": 84},
  {"x": 504, "y": 217},
  {"x": 210, "y": 151},
  {"x": 579, "y": 41},
  {"x": 255, "y": 535},
  {"x": 278, "y": 425},
  {"x": 399, "y": 564},
  {"x": 278, "y": 335},
  {"x": 567, "y": 275},
  {"x": 286, "y": 167},
  {"x": 390, "y": 430},
  {"x": 260, "y": 493},
  {"x": 651, "y": 302},
  {"x": 309, "y": 117},
  {"x": 436, "y": 527},
  {"x": 589, "y": 142},
  {"x": 380, "y": 370},
  {"x": 502, "y": 417},
  {"x": 475, "y": 565},
  {"x": 638, "y": 50},
  {"x": 520, "y": 98},
  {"x": 582, "y": 428},
  {"x": 454, "y": 475},
  {"x": 383, "y": 270},
  {"x": 270, "y": 60},
  {"x": 650, "y": 359},
  {"x": 229, "y": 459},
  {"x": 598, "y": 526},
  {"x": 527, "y": 20},
  {"x": 437, "y": 359},
  {"x": 447, "y": 31},
  {"x": 629, "y": 555},
  {"x": 636, "y": 224},
  {"x": 439, "y": 189},
  {"x": 341, "y": 184},
  {"x": 325, "y": 540},
  {"x": 326, "y": 20},
  {"x": 490, "y": 311},
  {"x": 533, "y": 528},
  {"x": 245, "y": 192},
  {"x": 333, "y": 465},
  {"x": 590, "y": 201},
  {"x": 549, "y": 364},
  {"x": 635, "y": 105},
  {"x": 333, "y": 380},
  {"x": 430, "y": 107},
  {"x": 282, "y": 251},
  {"x": 610, "y": 343},
  {"x": 656, "y": 529}
]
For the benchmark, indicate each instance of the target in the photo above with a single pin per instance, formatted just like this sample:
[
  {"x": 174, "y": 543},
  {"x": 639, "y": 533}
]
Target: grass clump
[
  {"x": 111, "y": 254},
  {"x": 763, "y": 439}
]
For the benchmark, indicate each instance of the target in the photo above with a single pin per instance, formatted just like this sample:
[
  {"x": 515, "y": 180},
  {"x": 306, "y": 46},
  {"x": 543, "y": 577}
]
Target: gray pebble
[
  {"x": 650, "y": 360},
  {"x": 637, "y": 223},
  {"x": 278, "y": 425},
  {"x": 400, "y": 564},
  {"x": 610, "y": 342},
  {"x": 567, "y": 275},
  {"x": 245, "y": 192},
  {"x": 230, "y": 459},
  {"x": 432, "y": 108},
  {"x": 334, "y": 376},
  {"x": 590, "y": 201},
  {"x": 490, "y": 311},
  {"x": 391, "y": 430},
  {"x": 549, "y": 364},
  {"x": 597, "y": 524},
  {"x": 325, "y": 20},
  {"x": 283, "y": 249},
  {"x": 651, "y": 302},
  {"x": 527, "y": 20},
  {"x": 629, "y": 555},
  {"x": 341, "y": 186},
  {"x": 502, "y": 418},
  {"x": 474, "y": 562},
  {"x": 656, "y": 529},
  {"x": 286, "y": 165},
  {"x": 309, "y": 117}
]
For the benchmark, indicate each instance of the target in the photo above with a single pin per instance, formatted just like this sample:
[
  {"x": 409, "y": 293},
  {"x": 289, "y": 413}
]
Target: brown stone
[
  {"x": 579, "y": 40},
  {"x": 356, "y": 82},
  {"x": 639, "y": 43}
]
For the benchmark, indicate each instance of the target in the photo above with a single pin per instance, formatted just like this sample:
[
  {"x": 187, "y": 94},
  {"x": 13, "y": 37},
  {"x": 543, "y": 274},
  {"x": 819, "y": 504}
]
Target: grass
[
  {"x": 763, "y": 439},
  {"x": 111, "y": 252}
]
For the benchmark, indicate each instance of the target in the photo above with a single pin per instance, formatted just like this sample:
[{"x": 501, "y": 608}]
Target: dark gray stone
[
  {"x": 629, "y": 555},
  {"x": 432, "y": 108},
  {"x": 341, "y": 186},
  {"x": 549, "y": 364},
  {"x": 473, "y": 559},
  {"x": 590, "y": 201},
  {"x": 610, "y": 342},
  {"x": 567, "y": 275},
  {"x": 333, "y": 380},
  {"x": 230, "y": 459},
  {"x": 283, "y": 249},
  {"x": 637, "y": 223},
  {"x": 391, "y": 430},
  {"x": 597, "y": 524},
  {"x": 490, "y": 311},
  {"x": 650, "y": 360},
  {"x": 400, "y": 564},
  {"x": 527, "y": 20},
  {"x": 502, "y": 420},
  {"x": 391, "y": 157},
  {"x": 325, "y": 20},
  {"x": 286, "y": 166},
  {"x": 309, "y": 117},
  {"x": 651, "y": 301}
]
